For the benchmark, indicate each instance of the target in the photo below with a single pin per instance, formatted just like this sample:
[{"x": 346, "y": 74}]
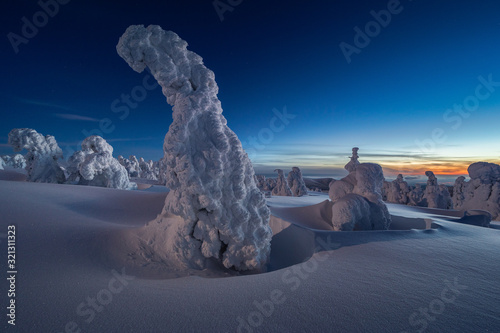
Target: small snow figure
[
  {"x": 296, "y": 182},
  {"x": 482, "y": 191},
  {"x": 42, "y": 156},
  {"x": 281, "y": 187},
  {"x": 94, "y": 165},
  {"x": 214, "y": 211},
  {"x": 357, "y": 198}
]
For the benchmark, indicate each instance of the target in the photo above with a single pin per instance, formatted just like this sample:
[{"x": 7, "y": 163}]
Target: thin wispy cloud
[
  {"x": 69, "y": 116},
  {"x": 44, "y": 104}
]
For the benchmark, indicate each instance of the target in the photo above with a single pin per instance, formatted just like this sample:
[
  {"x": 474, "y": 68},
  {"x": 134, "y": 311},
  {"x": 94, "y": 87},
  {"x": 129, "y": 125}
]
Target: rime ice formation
[
  {"x": 357, "y": 198},
  {"x": 281, "y": 187},
  {"x": 296, "y": 182},
  {"x": 482, "y": 191},
  {"x": 223, "y": 215},
  {"x": 16, "y": 161},
  {"x": 415, "y": 196},
  {"x": 435, "y": 196},
  {"x": 134, "y": 167},
  {"x": 94, "y": 165},
  {"x": 42, "y": 156},
  {"x": 147, "y": 170},
  {"x": 398, "y": 191},
  {"x": 2, "y": 164}
]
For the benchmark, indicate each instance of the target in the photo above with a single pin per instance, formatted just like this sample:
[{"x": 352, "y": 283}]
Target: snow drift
[
  {"x": 482, "y": 191},
  {"x": 94, "y": 165},
  {"x": 214, "y": 209},
  {"x": 42, "y": 156}
]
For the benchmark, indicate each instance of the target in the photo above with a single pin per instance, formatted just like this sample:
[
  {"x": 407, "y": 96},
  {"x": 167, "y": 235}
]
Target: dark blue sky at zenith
[{"x": 394, "y": 99}]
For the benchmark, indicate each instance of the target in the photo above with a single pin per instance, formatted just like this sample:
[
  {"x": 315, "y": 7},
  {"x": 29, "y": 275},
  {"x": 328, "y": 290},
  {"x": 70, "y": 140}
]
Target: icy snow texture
[
  {"x": 482, "y": 191},
  {"x": 16, "y": 161},
  {"x": 281, "y": 187},
  {"x": 357, "y": 198},
  {"x": 146, "y": 170},
  {"x": 296, "y": 182},
  {"x": 435, "y": 196},
  {"x": 94, "y": 165},
  {"x": 42, "y": 156},
  {"x": 2, "y": 164},
  {"x": 398, "y": 191},
  {"x": 211, "y": 179}
]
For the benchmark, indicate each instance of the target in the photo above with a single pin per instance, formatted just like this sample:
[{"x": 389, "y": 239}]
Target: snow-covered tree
[
  {"x": 482, "y": 191},
  {"x": 435, "y": 195},
  {"x": 146, "y": 169},
  {"x": 94, "y": 165},
  {"x": 357, "y": 198},
  {"x": 221, "y": 214},
  {"x": 398, "y": 191},
  {"x": 415, "y": 196},
  {"x": 296, "y": 182},
  {"x": 281, "y": 187},
  {"x": 42, "y": 156}
]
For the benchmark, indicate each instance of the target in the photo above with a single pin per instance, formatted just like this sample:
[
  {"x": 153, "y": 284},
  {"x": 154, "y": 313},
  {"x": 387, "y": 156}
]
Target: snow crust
[
  {"x": 222, "y": 214},
  {"x": 42, "y": 156},
  {"x": 94, "y": 165}
]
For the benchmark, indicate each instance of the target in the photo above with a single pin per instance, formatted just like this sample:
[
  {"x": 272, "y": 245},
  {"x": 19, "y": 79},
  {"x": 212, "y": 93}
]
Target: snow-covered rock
[
  {"x": 281, "y": 187},
  {"x": 296, "y": 182},
  {"x": 221, "y": 214},
  {"x": 42, "y": 156},
  {"x": 357, "y": 198},
  {"x": 94, "y": 165},
  {"x": 435, "y": 195},
  {"x": 482, "y": 191}
]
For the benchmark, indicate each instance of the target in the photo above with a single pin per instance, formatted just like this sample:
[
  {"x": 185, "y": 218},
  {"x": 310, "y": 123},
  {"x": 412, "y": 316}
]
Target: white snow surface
[
  {"x": 296, "y": 182},
  {"x": 42, "y": 156},
  {"x": 95, "y": 165},
  {"x": 214, "y": 210},
  {"x": 76, "y": 243},
  {"x": 482, "y": 191}
]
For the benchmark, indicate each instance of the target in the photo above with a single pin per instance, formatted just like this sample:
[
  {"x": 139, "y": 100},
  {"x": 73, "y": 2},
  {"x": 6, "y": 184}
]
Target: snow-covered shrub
[
  {"x": 415, "y": 196},
  {"x": 296, "y": 182},
  {"x": 94, "y": 165},
  {"x": 281, "y": 187},
  {"x": 482, "y": 191},
  {"x": 357, "y": 198},
  {"x": 42, "y": 156},
  {"x": 398, "y": 191},
  {"x": 435, "y": 195},
  {"x": 221, "y": 214}
]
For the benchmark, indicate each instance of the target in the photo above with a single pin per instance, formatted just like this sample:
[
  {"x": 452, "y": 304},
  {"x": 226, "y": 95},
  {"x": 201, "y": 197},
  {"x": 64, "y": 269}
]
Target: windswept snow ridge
[
  {"x": 42, "y": 156},
  {"x": 223, "y": 215}
]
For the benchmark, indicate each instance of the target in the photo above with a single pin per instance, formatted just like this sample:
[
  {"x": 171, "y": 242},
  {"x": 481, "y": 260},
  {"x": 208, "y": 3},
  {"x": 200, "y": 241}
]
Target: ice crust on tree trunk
[
  {"x": 42, "y": 156},
  {"x": 214, "y": 210}
]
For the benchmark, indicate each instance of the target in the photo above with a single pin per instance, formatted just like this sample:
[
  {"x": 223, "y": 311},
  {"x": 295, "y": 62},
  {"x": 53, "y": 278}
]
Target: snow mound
[
  {"x": 222, "y": 215},
  {"x": 94, "y": 165},
  {"x": 42, "y": 156},
  {"x": 296, "y": 182},
  {"x": 482, "y": 191}
]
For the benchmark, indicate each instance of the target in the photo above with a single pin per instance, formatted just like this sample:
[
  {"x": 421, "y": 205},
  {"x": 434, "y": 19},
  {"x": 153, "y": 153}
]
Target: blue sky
[{"x": 391, "y": 99}]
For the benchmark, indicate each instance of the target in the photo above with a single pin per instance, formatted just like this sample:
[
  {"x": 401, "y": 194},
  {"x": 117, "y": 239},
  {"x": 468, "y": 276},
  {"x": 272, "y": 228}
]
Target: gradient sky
[{"x": 269, "y": 56}]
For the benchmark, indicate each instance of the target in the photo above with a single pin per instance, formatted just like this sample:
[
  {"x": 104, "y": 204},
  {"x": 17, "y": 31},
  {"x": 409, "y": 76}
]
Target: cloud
[
  {"x": 46, "y": 104},
  {"x": 69, "y": 116}
]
